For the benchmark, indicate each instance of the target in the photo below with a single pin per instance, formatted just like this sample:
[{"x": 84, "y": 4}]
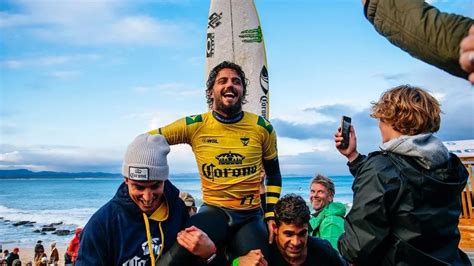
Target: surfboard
[{"x": 234, "y": 34}]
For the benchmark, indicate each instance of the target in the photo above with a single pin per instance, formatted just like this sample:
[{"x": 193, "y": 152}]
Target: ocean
[{"x": 72, "y": 201}]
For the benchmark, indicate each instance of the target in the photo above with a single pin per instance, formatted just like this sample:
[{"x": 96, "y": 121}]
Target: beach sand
[{"x": 28, "y": 253}]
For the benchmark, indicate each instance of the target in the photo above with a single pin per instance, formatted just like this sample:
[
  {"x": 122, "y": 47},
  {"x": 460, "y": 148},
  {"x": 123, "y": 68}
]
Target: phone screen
[{"x": 345, "y": 129}]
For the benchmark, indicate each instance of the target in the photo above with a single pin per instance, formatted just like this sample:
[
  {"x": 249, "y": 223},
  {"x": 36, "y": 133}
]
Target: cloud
[
  {"x": 327, "y": 162},
  {"x": 79, "y": 22},
  {"x": 319, "y": 122},
  {"x": 7, "y": 128},
  {"x": 83, "y": 159},
  {"x": 60, "y": 158},
  {"x": 47, "y": 60},
  {"x": 64, "y": 74},
  {"x": 172, "y": 88},
  {"x": 14, "y": 20},
  {"x": 392, "y": 77},
  {"x": 292, "y": 147}
]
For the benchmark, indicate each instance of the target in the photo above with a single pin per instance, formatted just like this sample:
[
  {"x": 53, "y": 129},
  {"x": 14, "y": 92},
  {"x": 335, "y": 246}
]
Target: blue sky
[{"x": 80, "y": 79}]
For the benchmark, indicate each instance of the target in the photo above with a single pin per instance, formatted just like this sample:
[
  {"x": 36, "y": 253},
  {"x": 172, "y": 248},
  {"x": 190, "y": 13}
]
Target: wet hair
[
  {"x": 326, "y": 182},
  {"x": 291, "y": 209},
  {"x": 213, "y": 75},
  {"x": 408, "y": 110}
]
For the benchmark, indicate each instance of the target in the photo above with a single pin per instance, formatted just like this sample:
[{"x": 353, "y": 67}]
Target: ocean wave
[{"x": 73, "y": 216}]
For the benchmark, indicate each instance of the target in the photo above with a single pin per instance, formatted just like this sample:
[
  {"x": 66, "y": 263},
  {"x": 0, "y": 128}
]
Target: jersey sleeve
[
  {"x": 272, "y": 168},
  {"x": 269, "y": 139},
  {"x": 272, "y": 186},
  {"x": 176, "y": 132}
]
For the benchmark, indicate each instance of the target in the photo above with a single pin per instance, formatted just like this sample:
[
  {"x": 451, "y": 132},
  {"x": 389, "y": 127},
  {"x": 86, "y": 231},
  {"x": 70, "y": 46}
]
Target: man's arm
[
  {"x": 176, "y": 132},
  {"x": 367, "y": 224},
  {"x": 191, "y": 241},
  {"x": 421, "y": 30},
  {"x": 253, "y": 258},
  {"x": 197, "y": 242},
  {"x": 273, "y": 190}
]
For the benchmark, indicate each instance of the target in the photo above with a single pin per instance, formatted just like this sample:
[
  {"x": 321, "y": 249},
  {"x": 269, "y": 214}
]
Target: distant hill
[{"x": 23, "y": 173}]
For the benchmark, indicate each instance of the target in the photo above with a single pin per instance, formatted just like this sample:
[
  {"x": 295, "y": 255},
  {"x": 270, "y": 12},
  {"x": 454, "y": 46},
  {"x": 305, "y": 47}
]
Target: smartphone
[{"x": 345, "y": 130}]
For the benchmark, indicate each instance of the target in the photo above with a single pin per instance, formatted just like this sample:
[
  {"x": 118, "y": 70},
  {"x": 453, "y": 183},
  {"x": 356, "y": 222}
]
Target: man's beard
[{"x": 229, "y": 110}]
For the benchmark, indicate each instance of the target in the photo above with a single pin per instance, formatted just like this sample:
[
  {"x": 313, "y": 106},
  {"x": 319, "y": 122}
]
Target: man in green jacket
[
  {"x": 424, "y": 32},
  {"x": 327, "y": 222}
]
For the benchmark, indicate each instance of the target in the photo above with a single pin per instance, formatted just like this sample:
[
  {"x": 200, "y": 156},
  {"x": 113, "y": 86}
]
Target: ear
[
  {"x": 125, "y": 180},
  {"x": 210, "y": 93},
  {"x": 275, "y": 229}
]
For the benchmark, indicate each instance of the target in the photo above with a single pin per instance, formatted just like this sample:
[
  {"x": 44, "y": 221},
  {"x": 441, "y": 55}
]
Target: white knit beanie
[{"x": 145, "y": 158}]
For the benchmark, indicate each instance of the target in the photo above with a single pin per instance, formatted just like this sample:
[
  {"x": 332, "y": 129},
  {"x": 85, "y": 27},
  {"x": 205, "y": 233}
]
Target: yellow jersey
[{"x": 228, "y": 155}]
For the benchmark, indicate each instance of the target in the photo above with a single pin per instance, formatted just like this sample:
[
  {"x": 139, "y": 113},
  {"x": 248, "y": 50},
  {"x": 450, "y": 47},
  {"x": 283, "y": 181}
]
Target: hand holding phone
[{"x": 345, "y": 130}]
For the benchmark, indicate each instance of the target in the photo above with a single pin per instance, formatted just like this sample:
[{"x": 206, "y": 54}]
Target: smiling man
[
  {"x": 292, "y": 244},
  {"x": 143, "y": 219},
  {"x": 230, "y": 146},
  {"x": 327, "y": 222}
]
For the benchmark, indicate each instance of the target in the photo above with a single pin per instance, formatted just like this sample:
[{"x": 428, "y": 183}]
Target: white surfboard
[{"x": 234, "y": 34}]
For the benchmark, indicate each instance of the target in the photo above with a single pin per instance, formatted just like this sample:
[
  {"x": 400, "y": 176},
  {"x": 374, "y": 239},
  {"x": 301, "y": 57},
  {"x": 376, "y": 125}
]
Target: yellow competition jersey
[{"x": 228, "y": 155}]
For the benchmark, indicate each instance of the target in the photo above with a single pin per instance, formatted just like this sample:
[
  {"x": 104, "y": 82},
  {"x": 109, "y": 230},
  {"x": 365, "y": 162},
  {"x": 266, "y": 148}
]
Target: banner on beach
[{"x": 462, "y": 148}]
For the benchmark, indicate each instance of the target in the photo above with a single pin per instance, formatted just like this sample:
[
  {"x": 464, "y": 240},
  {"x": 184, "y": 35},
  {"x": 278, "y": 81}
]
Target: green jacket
[
  {"x": 421, "y": 30},
  {"x": 329, "y": 223}
]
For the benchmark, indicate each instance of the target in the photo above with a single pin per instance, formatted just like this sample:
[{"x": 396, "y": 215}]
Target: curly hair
[
  {"x": 213, "y": 75},
  {"x": 409, "y": 110},
  {"x": 292, "y": 209},
  {"x": 326, "y": 182}
]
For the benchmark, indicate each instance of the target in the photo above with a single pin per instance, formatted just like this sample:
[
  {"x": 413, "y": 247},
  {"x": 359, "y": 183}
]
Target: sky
[{"x": 80, "y": 79}]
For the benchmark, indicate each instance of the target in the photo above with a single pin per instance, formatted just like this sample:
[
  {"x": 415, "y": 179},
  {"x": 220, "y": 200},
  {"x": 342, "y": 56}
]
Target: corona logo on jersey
[
  {"x": 230, "y": 158},
  {"x": 211, "y": 171}
]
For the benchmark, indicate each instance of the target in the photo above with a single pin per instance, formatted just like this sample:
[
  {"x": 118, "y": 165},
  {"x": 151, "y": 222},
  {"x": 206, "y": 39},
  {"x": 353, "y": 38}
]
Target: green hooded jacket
[
  {"x": 329, "y": 223},
  {"x": 421, "y": 30}
]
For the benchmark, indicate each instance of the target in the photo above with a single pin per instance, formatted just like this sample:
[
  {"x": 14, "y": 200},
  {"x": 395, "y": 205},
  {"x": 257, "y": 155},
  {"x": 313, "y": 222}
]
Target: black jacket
[{"x": 404, "y": 214}]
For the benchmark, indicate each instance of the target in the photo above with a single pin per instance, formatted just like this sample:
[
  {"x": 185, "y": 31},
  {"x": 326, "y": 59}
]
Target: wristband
[
  {"x": 235, "y": 262},
  {"x": 213, "y": 256}
]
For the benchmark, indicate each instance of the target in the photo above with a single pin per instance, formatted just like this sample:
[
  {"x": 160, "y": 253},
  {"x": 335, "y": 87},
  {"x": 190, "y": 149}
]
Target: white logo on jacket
[{"x": 137, "y": 261}]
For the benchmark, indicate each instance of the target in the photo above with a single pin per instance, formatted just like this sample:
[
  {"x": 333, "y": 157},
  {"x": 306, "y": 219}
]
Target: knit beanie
[{"x": 145, "y": 158}]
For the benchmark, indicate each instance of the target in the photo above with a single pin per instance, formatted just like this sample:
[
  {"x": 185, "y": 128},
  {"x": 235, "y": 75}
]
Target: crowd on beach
[
  {"x": 406, "y": 203},
  {"x": 40, "y": 255}
]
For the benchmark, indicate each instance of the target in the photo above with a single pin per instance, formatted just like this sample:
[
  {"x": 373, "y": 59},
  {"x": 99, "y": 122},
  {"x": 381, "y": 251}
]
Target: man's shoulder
[
  {"x": 195, "y": 119},
  {"x": 336, "y": 209},
  {"x": 100, "y": 215},
  {"x": 106, "y": 213},
  {"x": 259, "y": 121},
  {"x": 315, "y": 243},
  {"x": 320, "y": 250},
  {"x": 376, "y": 162}
]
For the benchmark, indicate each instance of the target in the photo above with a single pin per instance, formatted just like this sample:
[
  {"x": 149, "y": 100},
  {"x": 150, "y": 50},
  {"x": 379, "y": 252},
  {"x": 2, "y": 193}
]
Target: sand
[{"x": 27, "y": 253}]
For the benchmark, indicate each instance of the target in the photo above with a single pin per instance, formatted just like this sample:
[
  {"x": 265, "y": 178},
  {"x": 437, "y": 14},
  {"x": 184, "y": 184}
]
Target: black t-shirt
[
  {"x": 11, "y": 258},
  {"x": 320, "y": 252}
]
